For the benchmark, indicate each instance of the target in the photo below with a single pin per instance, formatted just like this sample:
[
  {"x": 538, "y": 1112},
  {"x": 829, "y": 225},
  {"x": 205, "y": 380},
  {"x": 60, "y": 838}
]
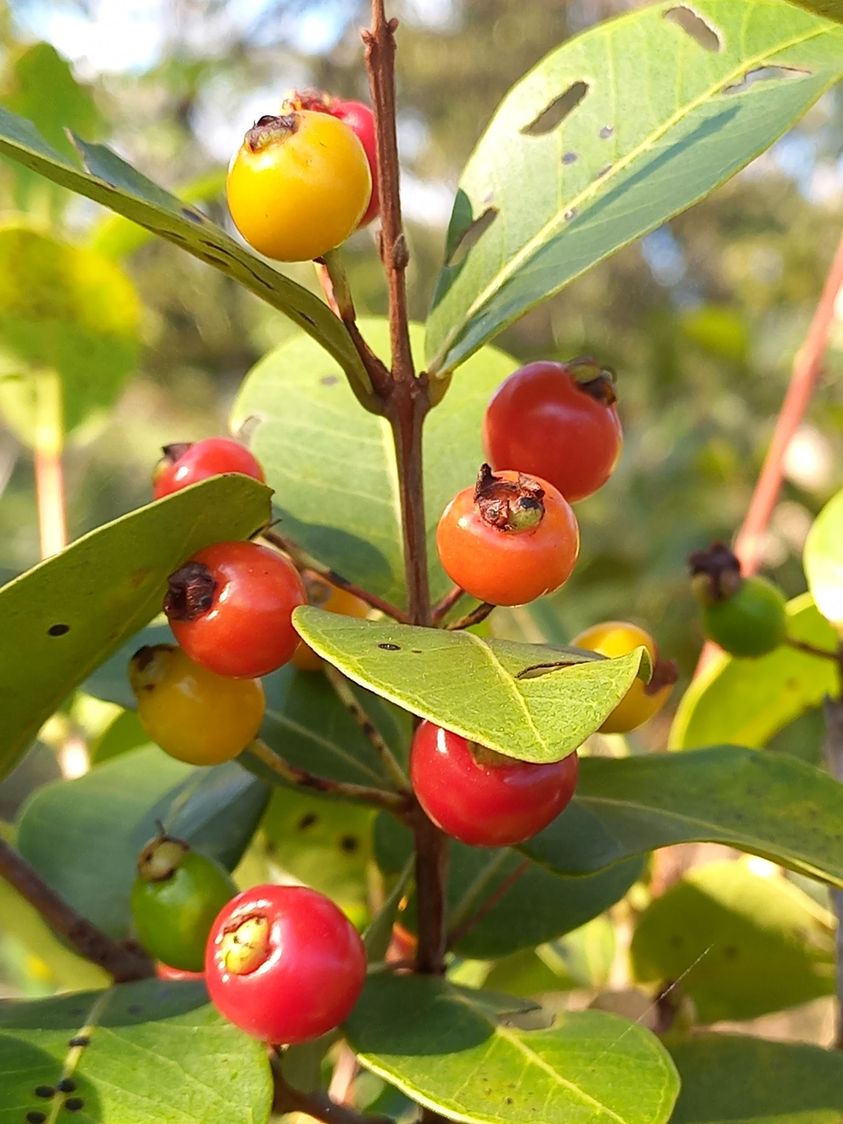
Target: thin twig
[
  {"x": 812, "y": 649},
  {"x": 350, "y": 701},
  {"x": 316, "y": 1104},
  {"x": 292, "y": 774},
  {"x": 444, "y": 606},
  {"x": 334, "y": 281},
  {"x": 806, "y": 368},
  {"x": 834, "y": 757},
  {"x": 307, "y": 562},
  {"x": 477, "y": 614},
  {"x": 120, "y": 961},
  {"x": 483, "y": 910}
]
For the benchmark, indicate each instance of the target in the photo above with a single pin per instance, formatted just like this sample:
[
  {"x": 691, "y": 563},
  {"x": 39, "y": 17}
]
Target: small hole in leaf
[
  {"x": 307, "y": 820},
  {"x": 606, "y": 132},
  {"x": 765, "y": 74},
  {"x": 570, "y": 214},
  {"x": 554, "y": 114},
  {"x": 390, "y": 647},
  {"x": 569, "y": 158},
  {"x": 329, "y": 380},
  {"x": 694, "y": 25},
  {"x": 471, "y": 236},
  {"x": 79, "y": 1040},
  {"x": 58, "y": 629},
  {"x": 349, "y": 844}
]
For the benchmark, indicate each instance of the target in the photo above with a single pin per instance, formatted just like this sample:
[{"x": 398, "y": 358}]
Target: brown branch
[
  {"x": 431, "y": 906},
  {"x": 806, "y": 369},
  {"x": 121, "y": 962},
  {"x": 379, "y": 44},
  {"x": 307, "y": 562},
  {"x": 813, "y": 650},
  {"x": 477, "y": 614},
  {"x": 334, "y": 281},
  {"x": 349, "y": 700},
  {"x": 302, "y": 778},
  {"x": 443, "y": 607}
]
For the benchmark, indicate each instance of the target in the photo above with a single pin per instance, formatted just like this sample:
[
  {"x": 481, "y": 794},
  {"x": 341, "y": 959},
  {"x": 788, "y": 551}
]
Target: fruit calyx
[
  {"x": 308, "y": 99},
  {"x": 190, "y": 592},
  {"x": 593, "y": 379},
  {"x": 665, "y": 674},
  {"x": 161, "y": 858},
  {"x": 513, "y": 506},
  {"x": 268, "y": 130},
  {"x": 715, "y": 573},
  {"x": 245, "y": 946}
]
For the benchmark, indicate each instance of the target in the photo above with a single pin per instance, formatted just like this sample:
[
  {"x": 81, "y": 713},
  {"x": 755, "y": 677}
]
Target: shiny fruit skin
[
  {"x": 542, "y": 422},
  {"x": 193, "y": 714},
  {"x": 618, "y": 638},
  {"x": 173, "y": 916},
  {"x": 202, "y": 459},
  {"x": 298, "y": 196},
  {"x": 334, "y": 600},
  {"x": 751, "y": 622},
  {"x": 506, "y": 567},
  {"x": 481, "y": 797},
  {"x": 246, "y": 631},
  {"x": 308, "y": 975}
]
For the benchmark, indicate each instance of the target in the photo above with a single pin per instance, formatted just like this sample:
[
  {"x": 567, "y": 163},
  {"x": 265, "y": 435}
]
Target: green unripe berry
[
  {"x": 750, "y": 622},
  {"x": 175, "y": 900}
]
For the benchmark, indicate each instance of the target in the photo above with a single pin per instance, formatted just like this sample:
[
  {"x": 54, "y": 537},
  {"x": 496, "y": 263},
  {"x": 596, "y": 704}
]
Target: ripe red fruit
[
  {"x": 557, "y": 421},
  {"x": 360, "y": 119},
  {"x": 229, "y": 608},
  {"x": 189, "y": 462},
  {"x": 481, "y": 797},
  {"x": 509, "y": 539},
  {"x": 284, "y": 963}
]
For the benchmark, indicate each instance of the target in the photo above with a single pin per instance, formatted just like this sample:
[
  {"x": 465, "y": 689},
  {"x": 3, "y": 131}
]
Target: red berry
[
  {"x": 229, "y": 608},
  {"x": 481, "y": 797},
  {"x": 284, "y": 963},
  {"x": 558, "y": 421},
  {"x": 189, "y": 462},
  {"x": 509, "y": 539}
]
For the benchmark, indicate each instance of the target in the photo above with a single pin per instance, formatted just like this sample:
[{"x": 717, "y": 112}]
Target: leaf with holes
[
  {"x": 757, "y": 1082},
  {"x": 741, "y": 945},
  {"x": 111, "y": 181},
  {"x": 609, "y": 136},
  {"x": 823, "y": 560},
  {"x": 527, "y": 701},
  {"x": 747, "y": 701},
  {"x": 136, "y": 1053},
  {"x": 66, "y": 615},
  {"x": 456, "y": 1057},
  {"x": 332, "y": 466},
  {"x": 83, "y": 836},
  {"x": 767, "y": 804}
]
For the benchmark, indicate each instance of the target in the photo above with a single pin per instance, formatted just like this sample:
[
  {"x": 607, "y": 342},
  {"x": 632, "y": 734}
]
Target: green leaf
[
  {"x": 158, "y": 1051},
  {"x": 831, "y": 9},
  {"x": 756, "y": 1082},
  {"x": 114, "y": 183},
  {"x": 527, "y": 701},
  {"x": 455, "y": 1057},
  {"x": 332, "y": 465},
  {"x": 530, "y": 905},
  {"x": 823, "y": 560},
  {"x": 739, "y": 944},
  {"x": 69, "y": 613},
  {"x": 65, "y": 312},
  {"x": 766, "y": 804},
  {"x": 747, "y": 701},
  {"x": 83, "y": 836},
  {"x": 660, "y": 110}
]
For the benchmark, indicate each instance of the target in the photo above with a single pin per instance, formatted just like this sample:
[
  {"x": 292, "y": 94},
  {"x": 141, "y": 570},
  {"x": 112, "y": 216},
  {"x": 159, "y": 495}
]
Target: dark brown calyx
[
  {"x": 161, "y": 858},
  {"x": 175, "y": 451},
  {"x": 267, "y": 130},
  {"x": 513, "y": 506},
  {"x": 308, "y": 99},
  {"x": 665, "y": 674},
  {"x": 715, "y": 573},
  {"x": 593, "y": 379},
  {"x": 190, "y": 592}
]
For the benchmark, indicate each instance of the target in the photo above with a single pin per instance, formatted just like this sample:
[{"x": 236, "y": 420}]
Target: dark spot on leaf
[
  {"x": 80, "y": 1040},
  {"x": 694, "y": 25},
  {"x": 308, "y": 319},
  {"x": 78, "y": 1011},
  {"x": 73, "y": 1104},
  {"x": 604, "y": 171},
  {"x": 58, "y": 629},
  {"x": 606, "y": 132},
  {"x": 66, "y": 1085},
  {"x": 507, "y": 1100},
  {"x": 35, "y": 1118},
  {"x": 329, "y": 380},
  {"x": 417, "y": 651},
  {"x": 765, "y": 74},
  {"x": 45, "y": 1091},
  {"x": 555, "y": 113},
  {"x": 307, "y": 820},
  {"x": 569, "y": 158},
  {"x": 676, "y": 940},
  {"x": 349, "y": 844},
  {"x": 194, "y": 216},
  {"x": 730, "y": 952},
  {"x": 570, "y": 214},
  {"x": 390, "y": 647},
  {"x": 134, "y": 1009},
  {"x": 471, "y": 236}
]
